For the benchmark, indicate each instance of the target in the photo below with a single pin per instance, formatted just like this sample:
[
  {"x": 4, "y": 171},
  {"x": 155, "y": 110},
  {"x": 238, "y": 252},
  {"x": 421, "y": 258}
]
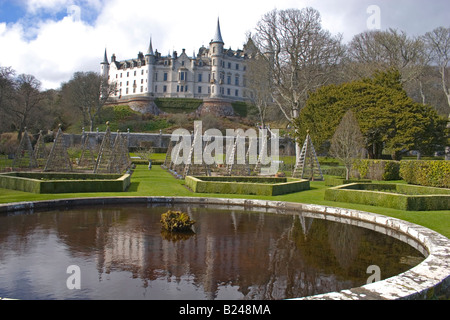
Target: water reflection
[{"x": 233, "y": 254}]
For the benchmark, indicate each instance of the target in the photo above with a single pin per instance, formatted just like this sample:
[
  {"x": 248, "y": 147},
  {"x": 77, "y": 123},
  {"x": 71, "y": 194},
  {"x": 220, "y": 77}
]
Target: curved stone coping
[{"x": 430, "y": 277}]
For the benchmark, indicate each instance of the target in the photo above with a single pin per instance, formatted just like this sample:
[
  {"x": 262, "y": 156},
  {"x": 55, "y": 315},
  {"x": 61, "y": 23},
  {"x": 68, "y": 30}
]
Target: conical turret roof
[{"x": 218, "y": 36}]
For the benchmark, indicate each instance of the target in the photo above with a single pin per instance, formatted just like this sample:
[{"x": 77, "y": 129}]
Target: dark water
[{"x": 234, "y": 254}]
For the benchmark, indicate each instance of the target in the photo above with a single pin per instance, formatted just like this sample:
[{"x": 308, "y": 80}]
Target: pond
[{"x": 234, "y": 254}]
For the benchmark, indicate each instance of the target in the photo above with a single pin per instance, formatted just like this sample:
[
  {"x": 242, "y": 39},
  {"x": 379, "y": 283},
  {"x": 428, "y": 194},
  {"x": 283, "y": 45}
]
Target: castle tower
[
  {"x": 216, "y": 53},
  {"x": 104, "y": 71},
  {"x": 150, "y": 60}
]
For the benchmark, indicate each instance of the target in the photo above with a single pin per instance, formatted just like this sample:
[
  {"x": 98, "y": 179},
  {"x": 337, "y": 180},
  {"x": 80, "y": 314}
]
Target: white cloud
[{"x": 56, "y": 40}]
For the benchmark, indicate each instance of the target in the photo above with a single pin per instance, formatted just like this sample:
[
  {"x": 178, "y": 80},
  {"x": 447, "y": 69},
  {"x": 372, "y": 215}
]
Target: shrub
[
  {"x": 376, "y": 169},
  {"x": 432, "y": 173},
  {"x": 176, "y": 221}
]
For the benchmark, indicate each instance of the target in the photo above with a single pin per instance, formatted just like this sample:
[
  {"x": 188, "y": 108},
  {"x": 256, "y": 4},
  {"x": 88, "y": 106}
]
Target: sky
[{"x": 53, "y": 39}]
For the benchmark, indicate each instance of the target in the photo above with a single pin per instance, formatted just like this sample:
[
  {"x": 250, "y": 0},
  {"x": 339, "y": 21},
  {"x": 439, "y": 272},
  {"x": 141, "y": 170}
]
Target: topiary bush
[{"x": 176, "y": 221}]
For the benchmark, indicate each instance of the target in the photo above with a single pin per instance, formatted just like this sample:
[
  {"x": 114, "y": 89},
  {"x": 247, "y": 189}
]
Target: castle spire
[
  {"x": 218, "y": 36},
  {"x": 150, "y": 48},
  {"x": 105, "y": 59}
]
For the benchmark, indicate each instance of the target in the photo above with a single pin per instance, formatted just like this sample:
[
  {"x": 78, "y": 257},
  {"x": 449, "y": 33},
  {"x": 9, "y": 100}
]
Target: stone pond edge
[{"x": 428, "y": 279}]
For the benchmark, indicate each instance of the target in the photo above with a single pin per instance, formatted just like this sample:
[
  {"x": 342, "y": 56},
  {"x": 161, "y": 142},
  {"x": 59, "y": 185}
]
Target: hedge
[
  {"x": 426, "y": 198},
  {"x": 433, "y": 173},
  {"x": 253, "y": 186},
  {"x": 375, "y": 169},
  {"x": 337, "y": 181},
  {"x": 73, "y": 183}
]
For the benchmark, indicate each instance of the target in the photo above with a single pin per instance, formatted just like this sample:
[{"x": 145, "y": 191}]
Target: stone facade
[{"x": 214, "y": 73}]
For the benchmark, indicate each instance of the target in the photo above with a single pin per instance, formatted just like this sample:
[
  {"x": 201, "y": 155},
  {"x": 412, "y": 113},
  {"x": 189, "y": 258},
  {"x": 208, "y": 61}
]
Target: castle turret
[
  {"x": 150, "y": 60},
  {"x": 104, "y": 71},
  {"x": 216, "y": 53}
]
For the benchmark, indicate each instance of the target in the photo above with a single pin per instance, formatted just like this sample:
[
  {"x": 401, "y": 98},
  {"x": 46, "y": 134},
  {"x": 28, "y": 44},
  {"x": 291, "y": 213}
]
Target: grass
[{"x": 158, "y": 182}]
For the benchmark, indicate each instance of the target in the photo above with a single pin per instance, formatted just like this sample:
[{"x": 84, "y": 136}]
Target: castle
[{"x": 214, "y": 75}]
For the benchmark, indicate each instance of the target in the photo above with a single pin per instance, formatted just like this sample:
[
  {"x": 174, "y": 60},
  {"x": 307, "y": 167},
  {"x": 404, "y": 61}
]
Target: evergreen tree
[{"x": 388, "y": 118}]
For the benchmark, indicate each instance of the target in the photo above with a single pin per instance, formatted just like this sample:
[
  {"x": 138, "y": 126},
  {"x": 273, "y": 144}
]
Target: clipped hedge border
[
  {"x": 337, "y": 181},
  {"x": 78, "y": 183},
  {"x": 376, "y": 169},
  {"x": 246, "y": 185},
  {"x": 433, "y": 173},
  {"x": 420, "y": 199}
]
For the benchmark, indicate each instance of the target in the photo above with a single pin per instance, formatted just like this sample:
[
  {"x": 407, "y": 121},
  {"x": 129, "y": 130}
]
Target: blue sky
[{"x": 52, "y": 39}]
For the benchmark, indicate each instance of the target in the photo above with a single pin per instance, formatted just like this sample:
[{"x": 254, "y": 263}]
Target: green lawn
[{"x": 158, "y": 182}]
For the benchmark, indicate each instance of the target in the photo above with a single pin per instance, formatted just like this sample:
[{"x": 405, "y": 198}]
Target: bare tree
[
  {"x": 347, "y": 142},
  {"x": 88, "y": 92},
  {"x": 377, "y": 50},
  {"x": 259, "y": 83},
  {"x": 303, "y": 56},
  {"x": 438, "y": 44},
  {"x": 7, "y": 92},
  {"x": 27, "y": 102}
]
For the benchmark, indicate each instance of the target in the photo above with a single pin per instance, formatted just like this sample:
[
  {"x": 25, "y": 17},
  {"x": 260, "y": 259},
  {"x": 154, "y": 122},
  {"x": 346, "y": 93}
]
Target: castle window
[
  {"x": 142, "y": 89},
  {"x": 237, "y": 66},
  {"x": 156, "y": 76},
  {"x": 164, "y": 88},
  {"x": 182, "y": 76},
  {"x": 229, "y": 65},
  {"x": 165, "y": 76},
  {"x": 236, "y": 80},
  {"x": 156, "y": 89},
  {"x": 142, "y": 72},
  {"x": 199, "y": 89},
  {"x": 200, "y": 77},
  {"x": 228, "y": 91},
  {"x": 182, "y": 63},
  {"x": 135, "y": 73},
  {"x": 236, "y": 93},
  {"x": 228, "y": 79},
  {"x": 128, "y": 74}
]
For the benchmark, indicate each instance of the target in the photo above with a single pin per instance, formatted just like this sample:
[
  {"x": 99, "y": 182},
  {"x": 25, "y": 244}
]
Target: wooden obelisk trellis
[
  {"x": 120, "y": 159},
  {"x": 59, "y": 159},
  {"x": 105, "y": 153},
  {"x": 307, "y": 165},
  {"x": 236, "y": 166},
  {"x": 40, "y": 151},
  {"x": 87, "y": 158},
  {"x": 190, "y": 166},
  {"x": 24, "y": 157}
]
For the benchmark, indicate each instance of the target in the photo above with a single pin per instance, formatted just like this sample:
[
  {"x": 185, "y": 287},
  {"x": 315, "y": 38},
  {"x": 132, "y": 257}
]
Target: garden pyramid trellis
[
  {"x": 307, "y": 165},
  {"x": 120, "y": 160},
  {"x": 113, "y": 157},
  {"x": 105, "y": 153},
  {"x": 87, "y": 157},
  {"x": 59, "y": 159},
  {"x": 24, "y": 157},
  {"x": 40, "y": 151}
]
